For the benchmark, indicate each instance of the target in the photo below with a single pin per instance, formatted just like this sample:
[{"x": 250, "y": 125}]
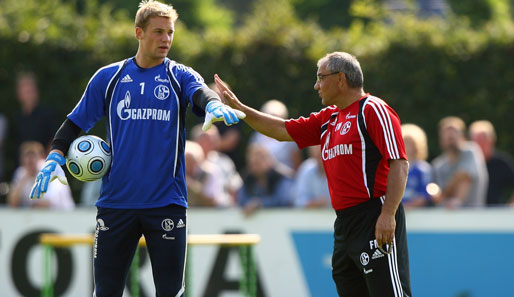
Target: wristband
[{"x": 57, "y": 158}]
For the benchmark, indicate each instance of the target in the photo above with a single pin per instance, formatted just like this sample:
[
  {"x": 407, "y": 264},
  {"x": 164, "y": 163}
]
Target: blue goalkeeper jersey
[{"x": 145, "y": 110}]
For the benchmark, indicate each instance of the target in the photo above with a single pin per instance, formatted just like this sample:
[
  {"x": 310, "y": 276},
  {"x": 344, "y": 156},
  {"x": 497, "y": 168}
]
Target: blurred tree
[
  {"x": 327, "y": 13},
  {"x": 240, "y": 8},
  {"x": 196, "y": 14},
  {"x": 425, "y": 68},
  {"x": 477, "y": 11}
]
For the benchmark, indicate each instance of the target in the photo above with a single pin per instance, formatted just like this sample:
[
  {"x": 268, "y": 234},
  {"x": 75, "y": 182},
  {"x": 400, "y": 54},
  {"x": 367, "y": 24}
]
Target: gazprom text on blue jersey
[{"x": 126, "y": 113}]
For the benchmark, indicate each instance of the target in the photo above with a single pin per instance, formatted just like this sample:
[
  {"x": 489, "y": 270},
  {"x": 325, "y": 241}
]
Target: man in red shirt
[{"x": 366, "y": 166}]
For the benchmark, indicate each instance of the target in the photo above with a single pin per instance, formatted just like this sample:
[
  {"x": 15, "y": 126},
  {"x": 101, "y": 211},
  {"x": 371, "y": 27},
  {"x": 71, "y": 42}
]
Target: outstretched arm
[{"x": 266, "y": 124}]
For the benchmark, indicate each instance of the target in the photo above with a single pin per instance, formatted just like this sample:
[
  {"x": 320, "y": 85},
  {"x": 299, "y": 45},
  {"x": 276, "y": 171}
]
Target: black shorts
[
  {"x": 359, "y": 268},
  {"x": 116, "y": 238}
]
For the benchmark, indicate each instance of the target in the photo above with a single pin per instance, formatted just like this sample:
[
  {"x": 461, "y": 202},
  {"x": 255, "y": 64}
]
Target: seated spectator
[
  {"x": 230, "y": 136},
  {"x": 460, "y": 171},
  {"x": 264, "y": 184},
  {"x": 285, "y": 152},
  {"x": 420, "y": 171},
  {"x": 229, "y": 177},
  {"x": 32, "y": 158},
  {"x": 311, "y": 186},
  {"x": 500, "y": 165},
  {"x": 203, "y": 180}
]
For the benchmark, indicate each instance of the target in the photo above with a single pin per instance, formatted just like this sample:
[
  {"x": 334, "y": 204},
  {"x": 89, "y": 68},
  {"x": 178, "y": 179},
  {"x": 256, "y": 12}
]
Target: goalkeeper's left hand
[{"x": 217, "y": 111}]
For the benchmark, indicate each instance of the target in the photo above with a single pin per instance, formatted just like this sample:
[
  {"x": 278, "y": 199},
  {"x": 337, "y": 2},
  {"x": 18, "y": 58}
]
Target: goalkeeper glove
[
  {"x": 50, "y": 171},
  {"x": 217, "y": 111}
]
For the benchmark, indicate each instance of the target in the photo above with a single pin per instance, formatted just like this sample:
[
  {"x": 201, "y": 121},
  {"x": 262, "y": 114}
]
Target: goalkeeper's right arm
[{"x": 65, "y": 136}]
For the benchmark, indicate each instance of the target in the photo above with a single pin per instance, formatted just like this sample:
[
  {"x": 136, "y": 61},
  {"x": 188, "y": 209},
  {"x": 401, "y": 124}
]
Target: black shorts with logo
[
  {"x": 116, "y": 238},
  {"x": 359, "y": 269}
]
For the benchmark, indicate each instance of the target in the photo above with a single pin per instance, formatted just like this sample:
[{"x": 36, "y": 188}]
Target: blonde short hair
[
  {"x": 276, "y": 108},
  {"x": 483, "y": 126},
  {"x": 453, "y": 122},
  {"x": 419, "y": 138},
  {"x": 151, "y": 8}
]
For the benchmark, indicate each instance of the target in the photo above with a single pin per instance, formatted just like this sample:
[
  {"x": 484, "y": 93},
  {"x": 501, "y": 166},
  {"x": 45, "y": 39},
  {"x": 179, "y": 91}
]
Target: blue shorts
[{"x": 116, "y": 238}]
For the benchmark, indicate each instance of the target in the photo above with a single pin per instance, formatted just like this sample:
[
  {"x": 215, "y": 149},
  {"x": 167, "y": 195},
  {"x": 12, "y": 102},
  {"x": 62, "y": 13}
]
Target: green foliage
[
  {"x": 426, "y": 69},
  {"x": 201, "y": 14},
  {"x": 327, "y": 13},
  {"x": 478, "y": 11}
]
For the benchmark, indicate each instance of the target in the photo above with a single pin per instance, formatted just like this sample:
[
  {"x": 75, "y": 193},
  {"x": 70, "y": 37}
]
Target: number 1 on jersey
[{"x": 142, "y": 88}]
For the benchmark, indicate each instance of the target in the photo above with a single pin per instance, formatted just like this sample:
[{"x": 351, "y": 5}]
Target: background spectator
[
  {"x": 500, "y": 165},
  {"x": 34, "y": 121},
  {"x": 311, "y": 186},
  {"x": 420, "y": 171},
  {"x": 204, "y": 181},
  {"x": 264, "y": 184},
  {"x": 286, "y": 153},
  {"x": 230, "y": 136},
  {"x": 32, "y": 157},
  {"x": 460, "y": 170},
  {"x": 228, "y": 175}
]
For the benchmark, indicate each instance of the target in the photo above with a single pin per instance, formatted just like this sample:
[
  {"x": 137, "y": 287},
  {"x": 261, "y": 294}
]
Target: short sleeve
[
  {"x": 91, "y": 107},
  {"x": 190, "y": 81},
  {"x": 471, "y": 160},
  {"x": 305, "y": 131},
  {"x": 384, "y": 128}
]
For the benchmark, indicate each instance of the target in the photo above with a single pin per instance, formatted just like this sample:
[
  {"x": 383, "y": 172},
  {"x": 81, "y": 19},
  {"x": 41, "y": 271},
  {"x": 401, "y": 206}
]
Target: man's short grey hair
[{"x": 347, "y": 64}]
